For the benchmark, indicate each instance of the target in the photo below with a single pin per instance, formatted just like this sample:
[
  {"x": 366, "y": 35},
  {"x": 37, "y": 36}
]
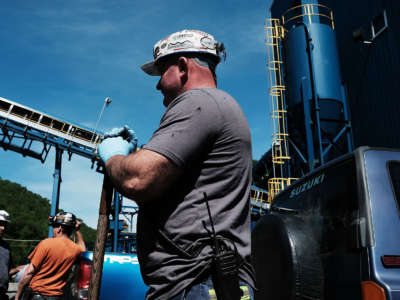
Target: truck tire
[{"x": 286, "y": 259}]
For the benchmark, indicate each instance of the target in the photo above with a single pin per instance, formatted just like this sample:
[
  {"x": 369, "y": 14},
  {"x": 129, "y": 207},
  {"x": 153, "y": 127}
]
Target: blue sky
[{"x": 65, "y": 57}]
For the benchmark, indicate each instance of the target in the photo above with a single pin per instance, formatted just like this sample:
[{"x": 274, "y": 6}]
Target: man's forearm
[
  {"x": 26, "y": 278},
  {"x": 142, "y": 176},
  {"x": 15, "y": 270},
  {"x": 126, "y": 178},
  {"x": 79, "y": 240}
]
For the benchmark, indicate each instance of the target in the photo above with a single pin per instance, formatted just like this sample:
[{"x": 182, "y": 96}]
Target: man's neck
[
  {"x": 199, "y": 77},
  {"x": 61, "y": 235}
]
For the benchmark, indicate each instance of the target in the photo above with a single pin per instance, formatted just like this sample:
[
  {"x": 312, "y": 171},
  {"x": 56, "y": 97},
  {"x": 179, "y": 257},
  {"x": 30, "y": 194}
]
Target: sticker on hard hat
[
  {"x": 156, "y": 52},
  {"x": 182, "y": 36},
  {"x": 208, "y": 43},
  {"x": 182, "y": 45}
]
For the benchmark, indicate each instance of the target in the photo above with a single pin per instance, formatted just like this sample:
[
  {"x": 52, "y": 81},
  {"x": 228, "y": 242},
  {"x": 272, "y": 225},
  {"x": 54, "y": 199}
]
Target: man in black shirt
[{"x": 5, "y": 257}]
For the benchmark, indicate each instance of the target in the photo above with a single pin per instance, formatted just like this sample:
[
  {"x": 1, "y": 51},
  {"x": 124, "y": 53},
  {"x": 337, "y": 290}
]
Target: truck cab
[{"x": 334, "y": 234}]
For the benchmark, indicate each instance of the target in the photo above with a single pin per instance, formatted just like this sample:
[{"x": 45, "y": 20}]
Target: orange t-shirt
[{"x": 52, "y": 259}]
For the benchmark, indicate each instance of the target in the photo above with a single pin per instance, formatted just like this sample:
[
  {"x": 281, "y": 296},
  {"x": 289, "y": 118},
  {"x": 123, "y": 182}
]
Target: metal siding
[{"x": 370, "y": 72}]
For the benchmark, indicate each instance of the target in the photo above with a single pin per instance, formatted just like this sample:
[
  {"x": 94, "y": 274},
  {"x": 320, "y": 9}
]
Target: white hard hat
[
  {"x": 185, "y": 41},
  {"x": 4, "y": 216}
]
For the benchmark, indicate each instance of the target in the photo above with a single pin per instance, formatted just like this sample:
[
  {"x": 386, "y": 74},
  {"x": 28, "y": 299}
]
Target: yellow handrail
[
  {"x": 323, "y": 13},
  {"x": 276, "y": 185},
  {"x": 280, "y": 152}
]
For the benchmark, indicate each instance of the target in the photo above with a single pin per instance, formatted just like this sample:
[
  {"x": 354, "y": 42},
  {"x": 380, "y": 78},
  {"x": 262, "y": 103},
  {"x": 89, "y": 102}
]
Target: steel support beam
[{"x": 55, "y": 198}]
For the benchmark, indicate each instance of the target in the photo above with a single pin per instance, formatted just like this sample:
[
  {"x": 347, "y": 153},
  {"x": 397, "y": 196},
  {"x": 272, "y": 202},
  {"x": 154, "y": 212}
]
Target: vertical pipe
[
  {"x": 55, "y": 198},
  {"x": 347, "y": 117},
  {"x": 117, "y": 205},
  {"x": 307, "y": 119},
  {"x": 314, "y": 94}
]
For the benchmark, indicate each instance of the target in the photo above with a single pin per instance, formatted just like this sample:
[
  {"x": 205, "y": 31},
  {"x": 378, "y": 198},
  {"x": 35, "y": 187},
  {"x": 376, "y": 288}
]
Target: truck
[
  {"x": 334, "y": 233},
  {"x": 120, "y": 278}
]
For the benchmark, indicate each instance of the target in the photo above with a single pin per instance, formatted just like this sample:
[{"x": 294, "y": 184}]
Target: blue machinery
[
  {"x": 309, "y": 104},
  {"x": 33, "y": 134}
]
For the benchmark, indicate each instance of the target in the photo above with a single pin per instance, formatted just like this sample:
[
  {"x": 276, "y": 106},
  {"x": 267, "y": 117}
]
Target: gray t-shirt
[
  {"x": 5, "y": 261},
  {"x": 204, "y": 132}
]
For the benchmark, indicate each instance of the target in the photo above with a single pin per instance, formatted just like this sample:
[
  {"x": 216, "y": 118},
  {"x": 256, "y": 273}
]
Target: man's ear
[
  {"x": 59, "y": 229},
  {"x": 183, "y": 67},
  {"x": 183, "y": 64}
]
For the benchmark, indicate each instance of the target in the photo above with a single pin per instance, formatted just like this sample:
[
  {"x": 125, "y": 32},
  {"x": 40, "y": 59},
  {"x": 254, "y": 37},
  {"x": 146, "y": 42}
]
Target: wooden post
[{"x": 101, "y": 236}]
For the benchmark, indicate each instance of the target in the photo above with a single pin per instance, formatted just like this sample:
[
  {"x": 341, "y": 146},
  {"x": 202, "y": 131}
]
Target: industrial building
[{"x": 335, "y": 66}]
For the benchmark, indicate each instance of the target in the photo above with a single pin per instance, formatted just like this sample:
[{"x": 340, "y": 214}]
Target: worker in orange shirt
[{"x": 51, "y": 260}]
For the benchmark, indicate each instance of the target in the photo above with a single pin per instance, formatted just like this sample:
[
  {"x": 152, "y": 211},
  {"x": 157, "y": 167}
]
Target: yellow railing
[
  {"x": 280, "y": 152},
  {"x": 313, "y": 13},
  {"x": 274, "y": 34},
  {"x": 257, "y": 195},
  {"x": 276, "y": 185}
]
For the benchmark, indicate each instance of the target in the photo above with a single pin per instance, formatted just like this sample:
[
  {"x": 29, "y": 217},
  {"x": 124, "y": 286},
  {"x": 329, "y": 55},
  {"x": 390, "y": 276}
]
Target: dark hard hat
[{"x": 64, "y": 219}]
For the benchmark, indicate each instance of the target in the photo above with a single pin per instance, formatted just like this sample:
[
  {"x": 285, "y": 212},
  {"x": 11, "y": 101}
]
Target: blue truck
[
  {"x": 335, "y": 233},
  {"x": 121, "y": 278}
]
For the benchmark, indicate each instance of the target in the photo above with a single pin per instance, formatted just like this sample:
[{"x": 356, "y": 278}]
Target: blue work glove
[
  {"x": 119, "y": 141},
  {"x": 127, "y": 133}
]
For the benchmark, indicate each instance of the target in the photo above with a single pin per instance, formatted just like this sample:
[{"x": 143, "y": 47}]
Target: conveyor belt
[
  {"x": 33, "y": 133},
  {"x": 10, "y": 110}
]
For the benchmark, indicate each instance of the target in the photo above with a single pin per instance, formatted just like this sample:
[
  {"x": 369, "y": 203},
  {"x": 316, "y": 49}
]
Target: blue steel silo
[{"x": 318, "y": 120}]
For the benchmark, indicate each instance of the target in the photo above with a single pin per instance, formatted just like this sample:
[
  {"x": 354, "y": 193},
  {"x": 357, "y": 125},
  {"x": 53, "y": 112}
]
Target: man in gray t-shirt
[{"x": 201, "y": 149}]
